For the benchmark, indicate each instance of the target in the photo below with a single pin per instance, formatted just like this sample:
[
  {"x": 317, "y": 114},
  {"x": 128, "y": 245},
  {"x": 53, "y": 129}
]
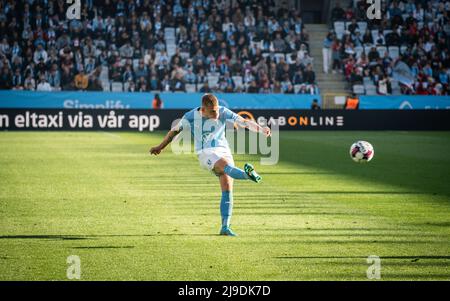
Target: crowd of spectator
[
  {"x": 148, "y": 45},
  {"x": 418, "y": 28}
]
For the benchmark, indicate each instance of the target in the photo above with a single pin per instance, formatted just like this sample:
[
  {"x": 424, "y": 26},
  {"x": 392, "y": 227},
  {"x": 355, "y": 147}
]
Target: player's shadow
[
  {"x": 104, "y": 247},
  {"x": 435, "y": 224},
  {"x": 412, "y": 260},
  {"x": 331, "y": 231},
  {"x": 351, "y": 192},
  {"x": 350, "y": 235},
  {"x": 417, "y": 276},
  {"x": 350, "y": 241},
  {"x": 298, "y": 173},
  {"x": 85, "y": 237},
  {"x": 411, "y": 257},
  {"x": 336, "y": 229},
  {"x": 303, "y": 213},
  {"x": 50, "y": 237}
]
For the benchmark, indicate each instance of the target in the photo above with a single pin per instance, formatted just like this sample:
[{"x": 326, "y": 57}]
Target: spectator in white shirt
[{"x": 43, "y": 85}]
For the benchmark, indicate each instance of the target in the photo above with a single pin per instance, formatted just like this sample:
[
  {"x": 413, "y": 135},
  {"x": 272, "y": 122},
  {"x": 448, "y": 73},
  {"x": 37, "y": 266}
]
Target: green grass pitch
[{"x": 317, "y": 215}]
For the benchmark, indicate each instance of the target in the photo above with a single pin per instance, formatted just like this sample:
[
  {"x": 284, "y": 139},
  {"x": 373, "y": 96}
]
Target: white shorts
[{"x": 209, "y": 156}]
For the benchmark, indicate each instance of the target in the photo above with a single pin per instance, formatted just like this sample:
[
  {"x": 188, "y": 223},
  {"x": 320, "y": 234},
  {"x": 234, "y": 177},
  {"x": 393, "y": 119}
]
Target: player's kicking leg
[{"x": 249, "y": 173}]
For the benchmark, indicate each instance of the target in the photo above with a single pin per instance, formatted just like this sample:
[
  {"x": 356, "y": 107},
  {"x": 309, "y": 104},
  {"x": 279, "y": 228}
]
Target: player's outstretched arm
[
  {"x": 156, "y": 150},
  {"x": 254, "y": 127}
]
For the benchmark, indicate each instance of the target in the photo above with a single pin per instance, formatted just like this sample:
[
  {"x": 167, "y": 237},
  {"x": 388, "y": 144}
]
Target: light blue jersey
[{"x": 206, "y": 132}]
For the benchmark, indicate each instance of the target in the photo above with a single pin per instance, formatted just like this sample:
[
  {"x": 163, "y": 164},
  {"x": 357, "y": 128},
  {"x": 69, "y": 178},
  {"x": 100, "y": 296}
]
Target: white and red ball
[{"x": 361, "y": 151}]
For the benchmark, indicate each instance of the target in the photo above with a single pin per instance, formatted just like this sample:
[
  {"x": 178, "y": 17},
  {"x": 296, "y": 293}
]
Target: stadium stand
[
  {"x": 404, "y": 52},
  {"x": 154, "y": 45}
]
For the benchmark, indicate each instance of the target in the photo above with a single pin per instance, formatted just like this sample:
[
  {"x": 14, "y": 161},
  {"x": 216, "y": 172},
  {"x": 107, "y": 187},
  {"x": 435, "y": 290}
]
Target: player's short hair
[{"x": 209, "y": 100}]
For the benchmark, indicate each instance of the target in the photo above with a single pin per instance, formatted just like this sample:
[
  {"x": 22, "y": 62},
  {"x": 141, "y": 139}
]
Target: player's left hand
[{"x": 266, "y": 131}]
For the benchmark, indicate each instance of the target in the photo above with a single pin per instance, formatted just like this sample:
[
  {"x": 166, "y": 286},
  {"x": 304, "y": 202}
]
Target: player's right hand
[
  {"x": 266, "y": 131},
  {"x": 155, "y": 150}
]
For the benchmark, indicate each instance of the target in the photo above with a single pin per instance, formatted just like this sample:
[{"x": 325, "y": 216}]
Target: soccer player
[{"x": 213, "y": 150}]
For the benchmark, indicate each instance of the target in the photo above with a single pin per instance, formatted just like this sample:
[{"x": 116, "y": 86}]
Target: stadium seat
[
  {"x": 116, "y": 87},
  {"x": 185, "y": 55},
  {"x": 278, "y": 56},
  {"x": 367, "y": 81},
  {"x": 362, "y": 27},
  {"x": 395, "y": 87},
  {"x": 171, "y": 50},
  {"x": 359, "y": 50},
  {"x": 104, "y": 74},
  {"x": 374, "y": 33},
  {"x": 190, "y": 88},
  {"x": 106, "y": 86},
  {"x": 339, "y": 28},
  {"x": 394, "y": 52},
  {"x": 289, "y": 59},
  {"x": 157, "y": 57},
  {"x": 339, "y": 100},
  {"x": 170, "y": 41},
  {"x": 347, "y": 24},
  {"x": 256, "y": 44},
  {"x": 370, "y": 89},
  {"x": 238, "y": 81},
  {"x": 135, "y": 64},
  {"x": 213, "y": 80},
  {"x": 213, "y": 74},
  {"x": 358, "y": 89},
  {"x": 386, "y": 32},
  {"x": 126, "y": 85},
  {"x": 381, "y": 50},
  {"x": 397, "y": 91},
  {"x": 403, "y": 49},
  {"x": 394, "y": 83},
  {"x": 169, "y": 32}
]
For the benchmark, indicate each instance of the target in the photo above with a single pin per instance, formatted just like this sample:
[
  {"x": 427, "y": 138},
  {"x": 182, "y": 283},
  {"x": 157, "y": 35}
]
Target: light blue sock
[
  {"x": 235, "y": 173},
  {"x": 226, "y": 207}
]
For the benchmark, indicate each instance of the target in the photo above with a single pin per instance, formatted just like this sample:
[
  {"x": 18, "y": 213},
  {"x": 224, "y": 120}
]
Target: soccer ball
[{"x": 361, "y": 151}]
